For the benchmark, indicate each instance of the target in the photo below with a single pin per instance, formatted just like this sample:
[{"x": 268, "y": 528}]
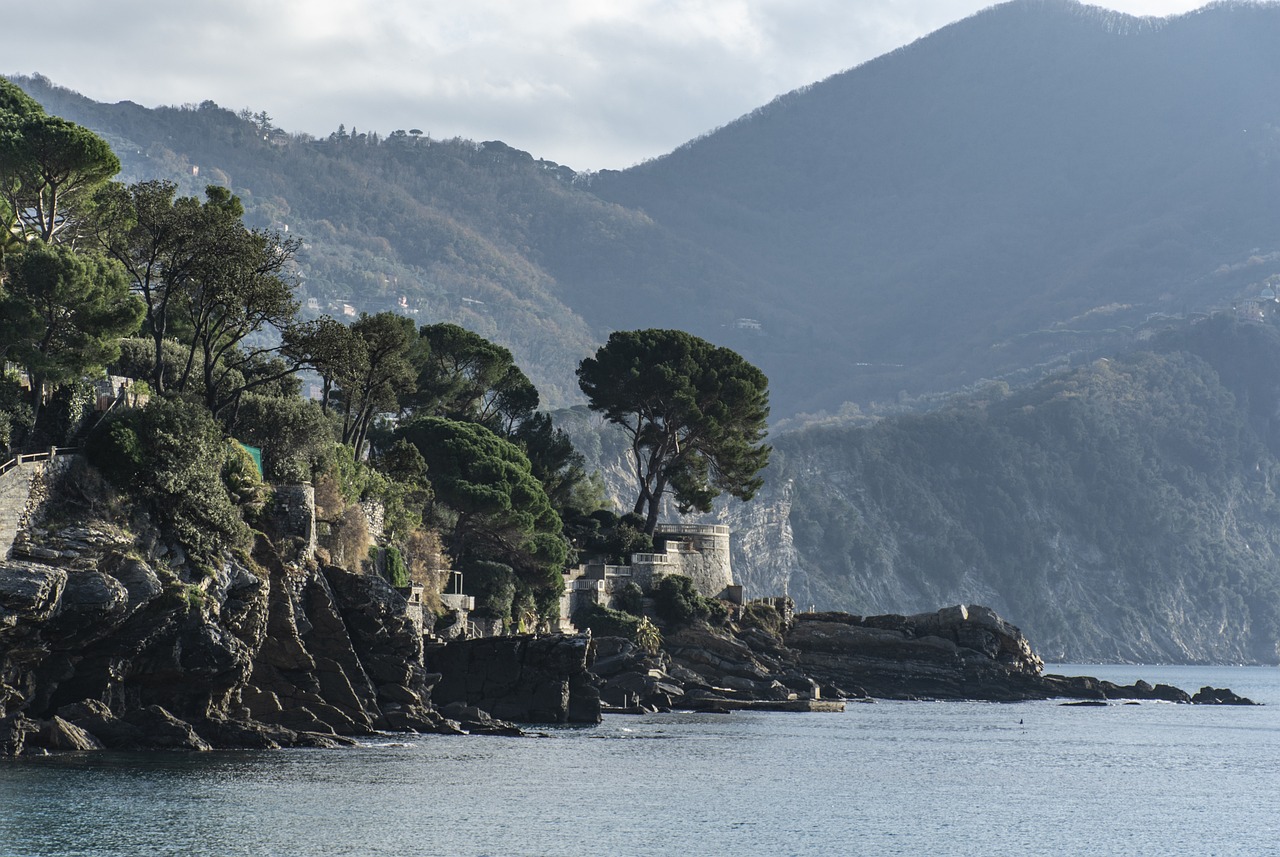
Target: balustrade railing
[{"x": 27, "y": 457}]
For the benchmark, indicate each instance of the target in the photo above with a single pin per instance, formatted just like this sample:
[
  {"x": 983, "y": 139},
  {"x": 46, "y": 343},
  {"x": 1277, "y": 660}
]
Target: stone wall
[
  {"x": 15, "y": 489},
  {"x": 295, "y": 513},
  {"x": 699, "y": 552}
]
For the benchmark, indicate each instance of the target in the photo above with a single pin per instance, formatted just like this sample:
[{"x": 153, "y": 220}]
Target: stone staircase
[{"x": 15, "y": 491}]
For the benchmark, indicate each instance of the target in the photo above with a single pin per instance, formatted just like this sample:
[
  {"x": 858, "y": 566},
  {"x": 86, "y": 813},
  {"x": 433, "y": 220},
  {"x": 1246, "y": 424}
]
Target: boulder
[{"x": 1219, "y": 696}]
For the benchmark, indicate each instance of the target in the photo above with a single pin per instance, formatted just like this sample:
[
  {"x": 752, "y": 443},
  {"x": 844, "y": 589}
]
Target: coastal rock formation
[
  {"x": 525, "y": 679},
  {"x": 106, "y": 648},
  {"x": 961, "y": 652},
  {"x": 111, "y": 637}
]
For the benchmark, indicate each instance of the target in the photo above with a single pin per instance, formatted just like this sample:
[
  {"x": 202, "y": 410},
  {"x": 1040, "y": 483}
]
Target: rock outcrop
[
  {"x": 525, "y": 679},
  {"x": 962, "y": 652},
  {"x": 126, "y": 652}
]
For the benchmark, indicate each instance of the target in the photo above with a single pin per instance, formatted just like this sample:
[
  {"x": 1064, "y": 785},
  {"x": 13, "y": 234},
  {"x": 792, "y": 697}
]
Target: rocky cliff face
[{"x": 107, "y": 636}]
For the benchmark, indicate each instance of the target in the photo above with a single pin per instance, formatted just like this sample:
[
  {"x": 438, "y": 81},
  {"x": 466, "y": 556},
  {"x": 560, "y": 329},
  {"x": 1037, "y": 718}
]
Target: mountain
[
  {"x": 1024, "y": 187},
  {"x": 1028, "y": 183},
  {"x": 1020, "y": 196},
  {"x": 1122, "y": 511}
]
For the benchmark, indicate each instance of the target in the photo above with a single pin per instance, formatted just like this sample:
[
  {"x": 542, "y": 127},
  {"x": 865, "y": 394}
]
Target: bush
[
  {"x": 176, "y": 472},
  {"x": 629, "y": 598},
  {"x": 295, "y": 436},
  {"x": 397, "y": 571},
  {"x": 493, "y": 585},
  {"x": 764, "y": 616},
  {"x": 678, "y": 602},
  {"x": 648, "y": 637},
  {"x": 349, "y": 540},
  {"x": 604, "y": 622},
  {"x": 240, "y": 474}
]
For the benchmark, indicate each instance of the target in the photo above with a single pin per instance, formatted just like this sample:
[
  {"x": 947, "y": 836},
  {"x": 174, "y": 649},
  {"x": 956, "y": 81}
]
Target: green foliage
[
  {"x": 49, "y": 168},
  {"x": 69, "y": 412},
  {"x": 695, "y": 415},
  {"x": 16, "y": 417},
  {"x": 465, "y": 377},
  {"x": 209, "y": 281},
  {"x": 137, "y": 360},
  {"x": 647, "y": 636},
  {"x": 170, "y": 457},
  {"x": 628, "y": 598},
  {"x": 187, "y": 597},
  {"x": 493, "y": 585},
  {"x": 763, "y": 616},
  {"x": 369, "y": 363},
  {"x": 295, "y": 437},
  {"x": 397, "y": 571},
  {"x": 240, "y": 475},
  {"x": 64, "y": 312},
  {"x": 117, "y": 450},
  {"x": 604, "y": 622},
  {"x": 394, "y": 568},
  {"x": 502, "y": 511},
  {"x": 678, "y": 603},
  {"x": 14, "y": 101}
]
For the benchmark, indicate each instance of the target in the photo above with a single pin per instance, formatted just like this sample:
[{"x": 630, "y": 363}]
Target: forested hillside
[
  {"x": 369, "y": 214},
  {"x": 1028, "y": 183},
  {"x": 1026, "y": 186},
  {"x": 1124, "y": 510}
]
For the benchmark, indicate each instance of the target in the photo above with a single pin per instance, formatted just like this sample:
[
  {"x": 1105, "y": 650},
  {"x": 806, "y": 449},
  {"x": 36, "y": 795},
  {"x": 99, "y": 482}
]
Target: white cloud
[{"x": 582, "y": 82}]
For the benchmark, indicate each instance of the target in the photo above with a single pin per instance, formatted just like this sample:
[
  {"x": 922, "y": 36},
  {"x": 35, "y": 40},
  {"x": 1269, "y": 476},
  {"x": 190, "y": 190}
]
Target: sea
[{"x": 918, "y": 778}]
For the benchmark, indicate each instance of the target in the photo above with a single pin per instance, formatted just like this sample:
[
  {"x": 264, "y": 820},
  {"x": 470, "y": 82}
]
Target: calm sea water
[{"x": 886, "y": 778}]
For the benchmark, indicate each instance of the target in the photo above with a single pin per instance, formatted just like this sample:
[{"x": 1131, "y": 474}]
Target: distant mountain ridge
[
  {"x": 1123, "y": 511},
  {"x": 1010, "y": 189},
  {"x": 1023, "y": 187}
]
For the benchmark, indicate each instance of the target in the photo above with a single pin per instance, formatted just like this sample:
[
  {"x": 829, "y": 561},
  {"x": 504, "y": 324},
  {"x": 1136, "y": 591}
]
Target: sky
[{"x": 594, "y": 84}]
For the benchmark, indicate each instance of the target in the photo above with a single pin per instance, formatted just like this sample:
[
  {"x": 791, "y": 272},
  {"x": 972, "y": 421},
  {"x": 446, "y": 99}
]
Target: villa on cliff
[{"x": 699, "y": 552}]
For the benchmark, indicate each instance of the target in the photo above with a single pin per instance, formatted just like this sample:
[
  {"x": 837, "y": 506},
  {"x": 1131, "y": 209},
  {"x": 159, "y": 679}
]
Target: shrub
[
  {"x": 240, "y": 474},
  {"x": 629, "y": 598},
  {"x": 607, "y": 623},
  {"x": 678, "y": 602},
  {"x": 766, "y": 617},
  {"x": 295, "y": 436},
  {"x": 647, "y": 636},
  {"x": 493, "y": 585},
  {"x": 176, "y": 472},
  {"x": 349, "y": 539},
  {"x": 397, "y": 571}
]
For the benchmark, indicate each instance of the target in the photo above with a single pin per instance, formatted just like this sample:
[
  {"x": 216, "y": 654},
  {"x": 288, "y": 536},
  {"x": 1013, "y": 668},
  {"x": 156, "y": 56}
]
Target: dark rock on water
[
  {"x": 524, "y": 679},
  {"x": 1219, "y": 696},
  {"x": 120, "y": 644},
  {"x": 125, "y": 654},
  {"x": 961, "y": 652}
]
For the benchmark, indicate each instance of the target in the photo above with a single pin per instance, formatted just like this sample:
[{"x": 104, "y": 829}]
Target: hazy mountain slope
[
  {"x": 1126, "y": 510},
  {"x": 471, "y": 233},
  {"x": 1029, "y": 183},
  {"x": 954, "y": 209}
]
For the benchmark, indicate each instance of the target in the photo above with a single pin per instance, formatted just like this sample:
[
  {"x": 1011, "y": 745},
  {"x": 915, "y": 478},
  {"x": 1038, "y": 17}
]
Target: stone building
[{"x": 699, "y": 552}]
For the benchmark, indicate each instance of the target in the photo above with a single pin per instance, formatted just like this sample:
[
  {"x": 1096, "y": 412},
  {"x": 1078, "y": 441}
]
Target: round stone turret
[{"x": 700, "y": 552}]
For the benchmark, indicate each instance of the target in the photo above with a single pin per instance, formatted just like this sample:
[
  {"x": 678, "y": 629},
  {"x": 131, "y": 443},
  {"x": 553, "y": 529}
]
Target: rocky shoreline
[
  {"x": 956, "y": 653},
  {"x": 110, "y": 641}
]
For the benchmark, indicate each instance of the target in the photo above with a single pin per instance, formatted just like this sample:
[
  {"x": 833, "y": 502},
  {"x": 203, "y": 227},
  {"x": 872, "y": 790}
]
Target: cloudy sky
[{"x": 590, "y": 83}]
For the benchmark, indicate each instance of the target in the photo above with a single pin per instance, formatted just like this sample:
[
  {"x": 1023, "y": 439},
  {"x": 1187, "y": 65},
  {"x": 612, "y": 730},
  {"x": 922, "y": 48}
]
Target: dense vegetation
[
  {"x": 1126, "y": 509},
  {"x": 475, "y": 472},
  {"x": 1029, "y": 183}
]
